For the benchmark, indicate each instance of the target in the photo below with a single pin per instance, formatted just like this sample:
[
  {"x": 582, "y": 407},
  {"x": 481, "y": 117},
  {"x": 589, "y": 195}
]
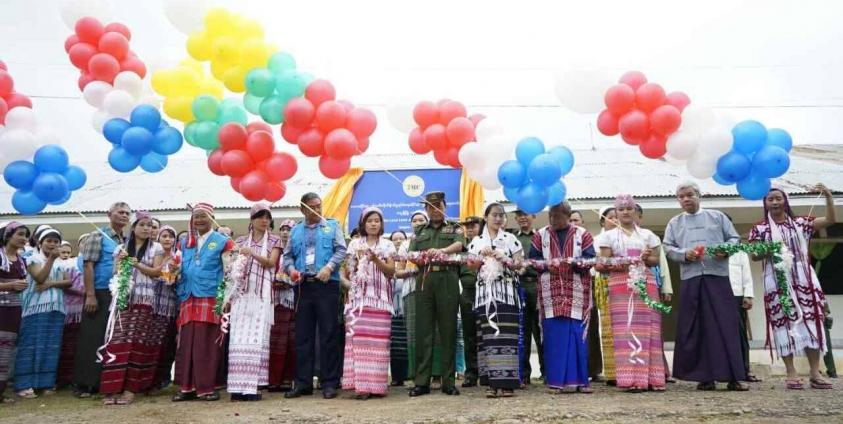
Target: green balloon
[
  {"x": 234, "y": 114},
  {"x": 260, "y": 82},
  {"x": 272, "y": 110},
  {"x": 190, "y": 133},
  {"x": 206, "y": 108},
  {"x": 280, "y": 62},
  {"x": 252, "y": 103},
  {"x": 207, "y": 135},
  {"x": 230, "y": 103},
  {"x": 290, "y": 84}
]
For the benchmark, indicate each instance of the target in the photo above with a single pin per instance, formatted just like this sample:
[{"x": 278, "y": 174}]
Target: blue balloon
[
  {"x": 753, "y": 187},
  {"x": 50, "y": 187},
  {"x": 76, "y": 177},
  {"x": 544, "y": 170},
  {"x": 51, "y": 158},
  {"x": 527, "y": 149},
  {"x": 565, "y": 157},
  {"x": 153, "y": 162},
  {"x": 556, "y": 193},
  {"x": 27, "y": 203},
  {"x": 532, "y": 198},
  {"x": 167, "y": 141},
  {"x": 749, "y": 136},
  {"x": 121, "y": 160},
  {"x": 720, "y": 180},
  {"x": 512, "y": 174},
  {"x": 114, "y": 128},
  {"x": 779, "y": 137},
  {"x": 146, "y": 116},
  {"x": 20, "y": 174},
  {"x": 733, "y": 166},
  {"x": 164, "y": 124},
  {"x": 137, "y": 141},
  {"x": 511, "y": 193},
  {"x": 771, "y": 162},
  {"x": 63, "y": 200}
]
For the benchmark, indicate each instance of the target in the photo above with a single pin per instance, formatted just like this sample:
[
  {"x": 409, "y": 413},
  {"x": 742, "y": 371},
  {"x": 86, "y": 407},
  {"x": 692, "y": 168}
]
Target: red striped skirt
[
  {"x": 131, "y": 357},
  {"x": 282, "y": 347},
  {"x": 366, "y": 368}
]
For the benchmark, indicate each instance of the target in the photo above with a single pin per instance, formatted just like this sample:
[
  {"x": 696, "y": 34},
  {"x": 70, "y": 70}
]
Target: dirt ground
[{"x": 766, "y": 402}]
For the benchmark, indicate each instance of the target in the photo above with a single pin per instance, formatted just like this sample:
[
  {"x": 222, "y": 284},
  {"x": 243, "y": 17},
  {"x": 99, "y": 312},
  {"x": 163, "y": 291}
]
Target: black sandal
[
  {"x": 210, "y": 397},
  {"x": 736, "y": 386},
  {"x": 707, "y": 387},
  {"x": 183, "y": 396}
]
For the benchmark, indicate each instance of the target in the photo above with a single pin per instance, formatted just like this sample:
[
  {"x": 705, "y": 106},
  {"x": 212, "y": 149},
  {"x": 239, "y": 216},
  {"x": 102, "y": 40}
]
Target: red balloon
[
  {"x": 417, "y": 143},
  {"x": 334, "y": 168},
  {"x": 320, "y": 91},
  {"x": 258, "y": 126},
  {"x": 281, "y": 166},
  {"x": 348, "y": 106},
  {"x": 133, "y": 64},
  {"x": 476, "y": 118},
  {"x": 7, "y": 84},
  {"x": 441, "y": 156},
  {"x": 3, "y": 109},
  {"x": 114, "y": 44},
  {"x": 119, "y": 28},
  {"x": 260, "y": 145},
  {"x": 330, "y": 115},
  {"x": 362, "y": 145},
  {"x": 634, "y": 125},
  {"x": 311, "y": 143},
  {"x": 631, "y": 141},
  {"x": 275, "y": 191},
  {"x": 80, "y": 54},
  {"x": 451, "y": 110},
  {"x": 290, "y": 133},
  {"x": 215, "y": 162},
  {"x": 3, "y": 66},
  {"x": 426, "y": 114},
  {"x": 452, "y": 156},
  {"x": 253, "y": 185},
  {"x": 103, "y": 67},
  {"x": 607, "y": 123},
  {"x": 459, "y": 131},
  {"x": 89, "y": 30},
  {"x": 619, "y": 99},
  {"x": 70, "y": 41},
  {"x": 665, "y": 120},
  {"x": 299, "y": 112},
  {"x": 678, "y": 100},
  {"x": 362, "y": 122},
  {"x": 235, "y": 183},
  {"x": 633, "y": 79},
  {"x": 435, "y": 137},
  {"x": 236, "y": 163},
  {"x": 84, "y": 79},
  {"x": 654, "y": 147},
  {"x": 340, "y": 143},
  {"x": 649, "y": 96},
  {"x": 232, "y": 136},
  {"x": 17, "y": 99}
]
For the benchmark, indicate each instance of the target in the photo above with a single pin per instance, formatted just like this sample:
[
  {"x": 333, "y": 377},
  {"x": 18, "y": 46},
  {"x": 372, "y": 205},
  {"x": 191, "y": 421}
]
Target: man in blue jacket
[{"x": 315, "y": 252}]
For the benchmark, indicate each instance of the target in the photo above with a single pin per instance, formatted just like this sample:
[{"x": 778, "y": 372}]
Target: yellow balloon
[
  {"x": 218, "y": 69},
  {"x": 253, "y": 53},
  {"x": 193, "y": 65},
  {"x": 225, "y": 49},
  {"x": 235, "y": 79},
  {"x": 218, "y": 21},
  {"x": 199, "y": 46},
  {"x": 250, "y": 28},
  {"x": 212, "y": 87},
  {"x": 161, "y": 82},
  {"x": 179, "y": 108},
  {"x": 185, "y": 82}
]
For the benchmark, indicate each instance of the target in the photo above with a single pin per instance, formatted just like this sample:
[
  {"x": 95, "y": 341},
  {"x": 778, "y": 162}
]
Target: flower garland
[
  {"x": 638, "y": 283},
  {"x": 426, "y": 258},
  {"x": 779, "y": 254},
  {"x": 231, "y": 275},
  {"x": 124, "y": 275}
]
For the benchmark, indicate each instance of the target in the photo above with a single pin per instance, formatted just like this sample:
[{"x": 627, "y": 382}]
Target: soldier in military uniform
[
  {"x": 438, "y": 296},
  {"x": 525, "y": 234},
  {"x": 468, "y": 280}
]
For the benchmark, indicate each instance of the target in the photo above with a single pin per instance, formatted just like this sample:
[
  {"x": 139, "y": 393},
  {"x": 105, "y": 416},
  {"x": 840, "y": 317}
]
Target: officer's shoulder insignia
[{"x": 458, "y": 230}]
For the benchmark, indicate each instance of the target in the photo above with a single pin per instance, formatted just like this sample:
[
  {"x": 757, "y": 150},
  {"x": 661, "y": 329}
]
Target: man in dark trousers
[
  {"x": 528, "y": 283},
  {"x": 468, "y": 281}
]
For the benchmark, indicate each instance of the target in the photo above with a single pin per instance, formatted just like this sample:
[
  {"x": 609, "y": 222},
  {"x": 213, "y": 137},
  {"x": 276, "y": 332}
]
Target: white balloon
[
  {"x": 95, "y": 92},
  {"x": 118, "y": 103},
  {"x": 21, "y": 118},
  {"x": 682, "y": 144},
  {"x": 73, "y": 10},
  {"x": 17, "y": 144},
  {"x": 151, "y": 100},
  {"x": 99, "y": 119},
  {"x": 186, "y": 15},
  {"x": 471, "y": 156},
  {"x": 400, "y": 115},
  {"x": 697, "y": 119},
  {"x": 488, "y": 178},
  {"x": 129, "y": 82},
  {"x": 486, "y": 129},
  {"x": 582, "y": 90},
  {"x": 717, "y": 141},
  {"x": 702, "y": 166},
  {"x": 47, "y": 136}
]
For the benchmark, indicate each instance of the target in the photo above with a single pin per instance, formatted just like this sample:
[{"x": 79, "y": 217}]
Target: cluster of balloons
[
  {"x": 444, "y": 127},
  {"x": 100, "y": 52},
  {"x": 534, "y": 179},
  {"x": 642, "y": 113},
  {"x": 22, "y": 136},
  {"x": 482, "y": 159},
  {"x": 757, "y": 155},
  {"x": 234, "y": 44},
  {"x": 181, "y": 85},
  {"x": 211, "y": 114},
  {"x": 269, "y": 88},
  {"x": 144, "y": 140},
  {"x": 48, "y": 179},
  {"x": 9, "y": 98},
  {"x": 247, "y": 155},
  {"x": 326, "y": 128}
]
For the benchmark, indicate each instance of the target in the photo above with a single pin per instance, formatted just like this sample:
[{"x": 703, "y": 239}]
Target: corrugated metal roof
[{"x": 598, "y": 174}]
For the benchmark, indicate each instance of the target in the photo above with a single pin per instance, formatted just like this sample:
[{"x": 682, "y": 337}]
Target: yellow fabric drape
[
  {"x": 471, "y": 197},
  {"x": 336, "y": 203}
]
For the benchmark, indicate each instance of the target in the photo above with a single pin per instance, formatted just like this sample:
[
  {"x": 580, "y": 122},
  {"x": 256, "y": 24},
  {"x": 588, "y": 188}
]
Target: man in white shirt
[{"x": 740, "y": 275}]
